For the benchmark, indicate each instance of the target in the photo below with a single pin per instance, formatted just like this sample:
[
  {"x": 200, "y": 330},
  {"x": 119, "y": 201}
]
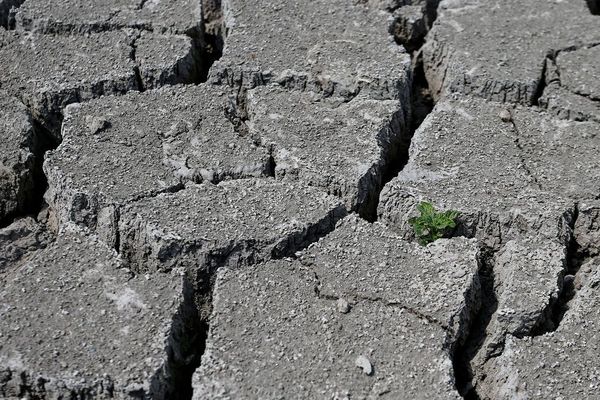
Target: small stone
[
  {"x": 343, "y": 306},
  {"x": 505, "y": 115},
  {"x": 97, "y": 124},
  {"x": 364, "y": 363}
]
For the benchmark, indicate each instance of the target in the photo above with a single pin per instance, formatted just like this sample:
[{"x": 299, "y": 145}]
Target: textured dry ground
[{"x": 209, "y": 199}]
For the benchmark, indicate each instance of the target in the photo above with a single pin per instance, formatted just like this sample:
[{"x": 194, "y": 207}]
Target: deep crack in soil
[
  {"x": 422, "y": 104},
  {"x": 473, "y": 342}
]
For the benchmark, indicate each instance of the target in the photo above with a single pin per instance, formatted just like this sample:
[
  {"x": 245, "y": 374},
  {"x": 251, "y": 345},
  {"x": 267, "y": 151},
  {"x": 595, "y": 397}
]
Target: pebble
[
  {"x": 364, "y": 363},
  {"x": 343, "y": 306},
  {"x": 505, "y": 115}
]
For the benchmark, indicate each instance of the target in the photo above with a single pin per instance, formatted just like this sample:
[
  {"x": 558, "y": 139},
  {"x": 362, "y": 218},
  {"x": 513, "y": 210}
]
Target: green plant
[{"x": 432, "y": 225}]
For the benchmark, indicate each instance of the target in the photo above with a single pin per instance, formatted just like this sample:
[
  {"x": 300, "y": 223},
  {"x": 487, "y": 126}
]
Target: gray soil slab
[
  {"x": 49, "y": 72},
  {"x": 73, "y": 16},
  {"x": 497, "y": 49},
  {"x": 528, "y": 280},
  {"x": 561, "y": 155},
  {"x": 579, "y": 70},
  {"x": 362, "y": 261},
  {"x": 272, "y": 337},
  {"x": 338, "y": 48},
  {"x": 529, "y": 277},
  {"x": 235, "y": 223},
  {"x": 558, "y": 365},
  {"x": 587, "y": 227},
  {"x": 166, "y": 59},
  {"x": 504, "y": 170},
  {"x": 345, "y": 148},
  {"x": 101, "y": 331},
  {"x": 20, "y": 240},
  {"x": 568, "y": 105},
  {"x": 571, "y": 90},
  {"x": 117, "y": 149},
  {"x": 17, "y": 157}
]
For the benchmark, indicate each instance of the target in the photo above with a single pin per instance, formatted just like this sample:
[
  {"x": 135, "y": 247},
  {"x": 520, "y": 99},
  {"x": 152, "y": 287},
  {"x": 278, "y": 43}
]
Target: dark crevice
[
  {"x": 236, "y": 112},
  {"x": 142, "y": 4},
  {"x": 466, "y": 350},
  {"x": 43, "y": 141},
  {"x": 170, "y": 189},
  {"x": 542, "y": 83},
  {"x": 184, "y": 348},
  {"x": 213, "y": 33},
  {"x": 395, "y": 157},
  {"x": 46, "y": 141},
  {"x": 8, "y": 8},
  {"x": 594, "y": 6},
  {"x": 576, "y": 47},
  {"x": 398, "y": 154},
  {"x": 138, "y": 75},
  {"x": 422, "y": 100},
  {"x": 421, "y": 104},
  {"x": 117, "y": 237},
  {"x": 299, "y": 241},
  {"x": 272, "y": 164}
]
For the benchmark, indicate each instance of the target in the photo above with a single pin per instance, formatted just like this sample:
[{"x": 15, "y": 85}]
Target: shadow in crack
[
  {"x": 468, "y": 349},
  {"x": 594, "y": 6},
  {"x": 184, "y": 347}
]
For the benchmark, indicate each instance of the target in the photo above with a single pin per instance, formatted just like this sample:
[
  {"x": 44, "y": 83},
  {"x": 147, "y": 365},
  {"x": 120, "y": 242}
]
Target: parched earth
[{"x": 210, "y": 199}]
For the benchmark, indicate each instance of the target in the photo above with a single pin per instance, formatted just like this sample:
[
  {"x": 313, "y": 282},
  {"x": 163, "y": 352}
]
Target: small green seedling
[{"x": 432, "y": 225}]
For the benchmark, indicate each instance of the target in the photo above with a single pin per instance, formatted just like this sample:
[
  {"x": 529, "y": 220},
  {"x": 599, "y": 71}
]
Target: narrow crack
[
  {"x": 394, "y": 158},
  {"x": 42, "y": 142},
  {"x": 154, "y": 193},
  {"x": 211, "y": 40},
  {"x": 359, "y": 298},
  {"x": 421, "y": 105},
  {"x": 542, "y": 83},
  {"x": 519, "y": 145},
  {"x": 136, "y": 69},
  {"x": 466, "y": 351},
  {"x": 141, "y": 4},
  {"x": 587, "y": 96},
  {"x": 184, "y": 347},
  {"x": 576, "y": 47}
]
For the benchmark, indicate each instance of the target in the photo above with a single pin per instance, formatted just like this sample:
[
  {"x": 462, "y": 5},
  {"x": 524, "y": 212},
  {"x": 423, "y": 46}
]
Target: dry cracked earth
[{"x": 209, "y": 199}]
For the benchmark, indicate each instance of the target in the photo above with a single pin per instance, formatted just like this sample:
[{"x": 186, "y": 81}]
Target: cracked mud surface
[{"x": 211, "y": 199}]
